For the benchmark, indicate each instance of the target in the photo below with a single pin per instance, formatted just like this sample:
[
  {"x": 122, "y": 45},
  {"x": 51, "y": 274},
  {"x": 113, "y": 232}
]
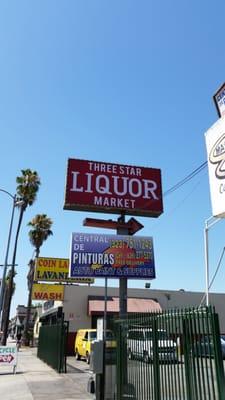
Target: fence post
[
  {"x": 157, "y": 391},
  {"x": 65, "y": 341},
  {"x": 218, "y": 356},
  {"x": 187, "y": 361},
  {"x": 118, "y": 354}
]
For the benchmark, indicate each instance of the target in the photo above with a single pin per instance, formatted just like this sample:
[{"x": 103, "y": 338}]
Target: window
[{"x": 92, "y": 336}]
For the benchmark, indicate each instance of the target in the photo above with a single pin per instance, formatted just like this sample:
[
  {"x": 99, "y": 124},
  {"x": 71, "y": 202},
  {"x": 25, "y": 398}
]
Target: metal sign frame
[
  {"x": 217, "y": 99},
  {"x": 98, "y": 186}
]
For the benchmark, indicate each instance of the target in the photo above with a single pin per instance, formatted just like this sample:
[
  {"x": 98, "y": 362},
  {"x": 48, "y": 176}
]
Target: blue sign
[{"x": 111, "y": 256}]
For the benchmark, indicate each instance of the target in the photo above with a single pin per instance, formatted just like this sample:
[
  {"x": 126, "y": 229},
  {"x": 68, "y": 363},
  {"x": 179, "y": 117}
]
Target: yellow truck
[{"x": 83, "y": 340}]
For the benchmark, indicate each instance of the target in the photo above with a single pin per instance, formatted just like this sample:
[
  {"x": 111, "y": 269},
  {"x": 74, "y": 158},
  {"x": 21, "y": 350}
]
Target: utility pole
[{"x": 2, "y": 289}]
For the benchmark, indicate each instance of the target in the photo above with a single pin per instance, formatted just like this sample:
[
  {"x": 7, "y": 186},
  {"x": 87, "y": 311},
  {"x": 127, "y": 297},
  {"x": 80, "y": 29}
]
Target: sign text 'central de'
[{"x": 95, "y": 255}]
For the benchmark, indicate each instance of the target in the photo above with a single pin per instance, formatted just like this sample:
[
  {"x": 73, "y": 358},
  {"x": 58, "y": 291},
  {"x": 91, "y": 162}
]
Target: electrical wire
[
  {"x": 173, "y": 189},
  {"x": 186, "y": 179},
  {"x": 214, "y": 276},
  {"x": 177, "y": 186},
  {"x": 181, "y": 183}
]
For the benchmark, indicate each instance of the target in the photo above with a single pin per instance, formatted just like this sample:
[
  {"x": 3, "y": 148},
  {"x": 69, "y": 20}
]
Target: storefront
[{"x": 83, "y": 305}]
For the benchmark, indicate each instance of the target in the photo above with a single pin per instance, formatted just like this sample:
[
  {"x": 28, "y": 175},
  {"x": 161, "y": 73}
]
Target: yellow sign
[
  {"x": 42, "y": 291},
  {"x": 56, "y": 270}
]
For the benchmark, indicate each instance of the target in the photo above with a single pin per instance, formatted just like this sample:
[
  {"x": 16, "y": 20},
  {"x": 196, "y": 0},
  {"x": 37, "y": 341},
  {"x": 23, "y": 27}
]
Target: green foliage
[
  {"x": 41, "y": 225},
  {"x": 41, "y": 230},
  {"x": 28, "y": 185}
]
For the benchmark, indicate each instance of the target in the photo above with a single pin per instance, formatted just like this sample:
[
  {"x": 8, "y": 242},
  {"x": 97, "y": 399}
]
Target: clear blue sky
[{"x": 129, "y": 82}]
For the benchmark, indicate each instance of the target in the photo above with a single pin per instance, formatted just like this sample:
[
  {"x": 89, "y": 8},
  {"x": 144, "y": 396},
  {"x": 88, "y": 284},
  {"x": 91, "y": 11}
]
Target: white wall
[{"x": 76, "y": 302}]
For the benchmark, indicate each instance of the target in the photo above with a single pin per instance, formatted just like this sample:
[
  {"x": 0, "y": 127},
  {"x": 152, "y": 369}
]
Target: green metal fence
[
  {"x": 175, "y": 355},
  {"x": 52, "y": 345}
]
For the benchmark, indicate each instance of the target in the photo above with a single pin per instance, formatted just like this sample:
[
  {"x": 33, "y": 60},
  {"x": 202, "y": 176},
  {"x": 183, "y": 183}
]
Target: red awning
[{"x": 134, "y": 305}]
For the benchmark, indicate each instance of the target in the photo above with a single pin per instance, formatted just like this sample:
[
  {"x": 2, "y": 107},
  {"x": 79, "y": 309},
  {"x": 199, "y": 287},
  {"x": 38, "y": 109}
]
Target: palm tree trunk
[
  {"x": 26, "y": 339},
  {"x": 5, "y": 301},
  {"x": 7, "y": 304}
]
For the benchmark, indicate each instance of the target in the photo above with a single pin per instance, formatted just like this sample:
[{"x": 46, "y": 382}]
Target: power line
[
  {"x": 181, "y": 183},
  {"x": 186, "y": 179},
  {"x": 214, "y": 276},
  {"x": 177, "y": 186}
]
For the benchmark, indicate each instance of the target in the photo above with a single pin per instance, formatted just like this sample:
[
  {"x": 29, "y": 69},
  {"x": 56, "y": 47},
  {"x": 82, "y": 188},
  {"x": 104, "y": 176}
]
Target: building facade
[{"x": 84, "y": 305}]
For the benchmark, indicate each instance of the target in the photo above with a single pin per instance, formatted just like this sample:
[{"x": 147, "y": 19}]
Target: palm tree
[
  {"x": 27, "y": 188},
  {"x": 40, "y": 232}
]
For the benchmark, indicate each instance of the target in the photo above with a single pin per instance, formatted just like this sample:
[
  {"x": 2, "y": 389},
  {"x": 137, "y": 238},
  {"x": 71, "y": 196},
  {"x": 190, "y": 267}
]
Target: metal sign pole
[
  {"x": 123, "y": 304},
  {"x": 102, "y": 379},
  {"x": 105, "y": 310},
  {"x": 122, "y": 281},
  {"x": 122, "y": 228}
]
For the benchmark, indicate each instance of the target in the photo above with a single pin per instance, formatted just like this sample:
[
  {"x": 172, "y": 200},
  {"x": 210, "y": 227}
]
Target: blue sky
[{"x": 129, "y": 82}]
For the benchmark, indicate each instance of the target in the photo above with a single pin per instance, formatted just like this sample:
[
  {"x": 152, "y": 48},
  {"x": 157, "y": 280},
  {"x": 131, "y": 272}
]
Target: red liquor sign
[{"x": 113, "y": 188}]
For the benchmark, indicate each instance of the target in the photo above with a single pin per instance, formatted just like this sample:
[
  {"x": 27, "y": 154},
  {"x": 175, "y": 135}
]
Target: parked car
[
  {"x": 82, "y": 346},
  {"x": 205, "y": 347},
  {"x": 85, "y": 337},
  {"x": 110, "y": 339},
  {"x": 140, "y": 345}
]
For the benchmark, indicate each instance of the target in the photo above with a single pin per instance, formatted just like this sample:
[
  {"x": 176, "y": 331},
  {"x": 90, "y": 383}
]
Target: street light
[
  {"x": 16, "y": 202},
  {"x": 2, "y": 291}
]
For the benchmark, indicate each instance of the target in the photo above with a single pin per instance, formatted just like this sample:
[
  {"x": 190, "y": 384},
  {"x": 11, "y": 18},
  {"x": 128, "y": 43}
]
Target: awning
[{"x": 134, "y": 305}]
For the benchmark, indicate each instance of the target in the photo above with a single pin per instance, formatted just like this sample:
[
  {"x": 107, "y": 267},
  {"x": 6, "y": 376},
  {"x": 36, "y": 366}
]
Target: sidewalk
[{"x": 35, "y": 380}]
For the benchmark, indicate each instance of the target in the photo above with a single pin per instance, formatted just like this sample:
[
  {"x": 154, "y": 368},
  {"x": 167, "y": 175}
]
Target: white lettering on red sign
[{"x": 121, "y": 186}]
